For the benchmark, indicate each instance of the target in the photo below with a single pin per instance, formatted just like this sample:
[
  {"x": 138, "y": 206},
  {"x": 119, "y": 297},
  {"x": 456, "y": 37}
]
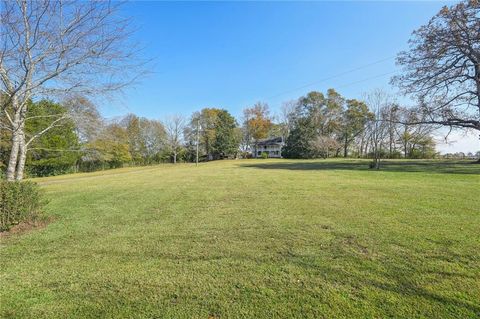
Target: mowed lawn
[{"x": 252, "y": 239}]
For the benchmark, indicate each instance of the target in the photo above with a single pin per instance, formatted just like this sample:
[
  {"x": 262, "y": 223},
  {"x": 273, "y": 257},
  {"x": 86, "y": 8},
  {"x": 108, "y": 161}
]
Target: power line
[
  {"x": 338, "y": 75},
  {"x": 54, "y": 150},
  {"x": 367, "y": 79}
]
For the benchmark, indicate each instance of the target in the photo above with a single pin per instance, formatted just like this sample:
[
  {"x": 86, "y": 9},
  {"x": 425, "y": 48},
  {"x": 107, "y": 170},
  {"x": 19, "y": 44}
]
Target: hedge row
[{"x": 19, "y": 201}]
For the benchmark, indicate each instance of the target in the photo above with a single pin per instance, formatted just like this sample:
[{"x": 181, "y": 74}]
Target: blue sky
[{"x": 232, "y": 54}]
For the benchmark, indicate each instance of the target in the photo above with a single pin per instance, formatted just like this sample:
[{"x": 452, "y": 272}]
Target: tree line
[
  {"x": 326, "y": 125},
  {"x": 315, "y": 125}
]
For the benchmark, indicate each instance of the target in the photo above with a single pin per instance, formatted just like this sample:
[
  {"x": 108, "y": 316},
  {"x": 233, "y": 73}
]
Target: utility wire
[
  {"x": 367, "y": 79},
  {"x": 53, "y": 149},
  {"x": 338, "y": 75}
]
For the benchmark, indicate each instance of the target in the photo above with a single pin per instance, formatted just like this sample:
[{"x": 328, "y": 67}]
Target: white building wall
[{"x": 274, "y": 151}]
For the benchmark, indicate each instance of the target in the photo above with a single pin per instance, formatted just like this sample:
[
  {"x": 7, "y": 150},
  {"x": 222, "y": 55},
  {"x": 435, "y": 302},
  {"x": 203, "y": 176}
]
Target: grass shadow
[{"x": 423, "y": 166}]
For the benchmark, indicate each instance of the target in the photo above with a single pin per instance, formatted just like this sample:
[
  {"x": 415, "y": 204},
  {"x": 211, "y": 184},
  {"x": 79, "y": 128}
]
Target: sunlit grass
[{"x": 253, "y": 238}]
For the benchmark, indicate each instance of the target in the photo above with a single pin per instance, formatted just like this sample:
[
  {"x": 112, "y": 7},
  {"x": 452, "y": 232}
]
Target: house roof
[{"x": 271, "y": 141}]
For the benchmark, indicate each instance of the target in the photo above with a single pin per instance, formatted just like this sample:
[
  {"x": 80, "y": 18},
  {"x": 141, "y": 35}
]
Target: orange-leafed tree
[{"x": 257, "y": 123}]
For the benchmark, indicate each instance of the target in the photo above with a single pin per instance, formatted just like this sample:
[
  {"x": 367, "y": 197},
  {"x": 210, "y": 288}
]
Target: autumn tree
[{"x": 257, "y": 123}]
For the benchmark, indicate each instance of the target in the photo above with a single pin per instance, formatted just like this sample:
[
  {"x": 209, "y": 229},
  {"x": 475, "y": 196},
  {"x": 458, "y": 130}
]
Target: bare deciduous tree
[
  {"x": 442, "y": 67},
  {"x": 409, "y": 134},
  {"x": 153, "y": 135},
  {"x": 324, "y": 146},
  {"x": 50, "y": 49},
  {"x": 287, "y": 111},
  {"x": 85, "y": 115},
  {"x": 377, "y": 101},
  {"x": 174, "y": 127}
]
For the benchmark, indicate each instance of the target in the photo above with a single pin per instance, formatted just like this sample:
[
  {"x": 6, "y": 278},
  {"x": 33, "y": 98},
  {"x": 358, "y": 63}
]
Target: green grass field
[{"x": 252, "y": 239}]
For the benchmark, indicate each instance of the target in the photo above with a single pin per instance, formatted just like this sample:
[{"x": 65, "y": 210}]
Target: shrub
[
  {"x": 19, "y": 201},
  {"x": 264, "y": 155},
  {"x": 39, "y": 169},
  {"x": 246, "y": 155}
]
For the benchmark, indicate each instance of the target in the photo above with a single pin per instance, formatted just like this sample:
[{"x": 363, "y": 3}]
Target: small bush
[
  {"x": 264, "y": 155},
  {"x": 245, "y": 155},
  {"x": 19, "y": 201}
]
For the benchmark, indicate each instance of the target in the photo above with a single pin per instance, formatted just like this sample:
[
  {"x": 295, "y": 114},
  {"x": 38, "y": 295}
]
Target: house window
[{"x": 259, "y": 153}]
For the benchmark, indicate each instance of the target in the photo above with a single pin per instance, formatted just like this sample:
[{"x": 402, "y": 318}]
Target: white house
[{"x": 272, "y": 146}]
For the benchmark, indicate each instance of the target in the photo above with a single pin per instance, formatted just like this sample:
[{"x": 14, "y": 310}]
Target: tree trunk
[
  {"x": 365, "y": 149},
  {"x": 174, "y": 157},
  {"x": 360, "y": 151},
  {"x": 23, "y": 156},
  {"x": 345, "y": 148},
  {"x": 377, "y": 157},
  {"x": 337, "y": 152},
  {"x": 12, "y": 163}
]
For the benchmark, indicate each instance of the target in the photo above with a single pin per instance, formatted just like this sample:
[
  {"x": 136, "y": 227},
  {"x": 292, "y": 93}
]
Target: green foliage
[
  {"x": 298, "y": 144},
  {"x": 5, "y": 135},
  {"x": 56, "y": 151},
  {"x": 264, "y": 155},
  {"x": 218, "y": 134},
  {"x": 136, "y": 143},
  {"x": 423, "y": 148},
  {"x": 110, "y": 150},
  {"x": 19, "y": 201},
  {"x": 315, "y": 116},
  {"x": 226, "y": 138},
  {"x": 113, "y": 153},
  {"x": 354, "y": 120},
  {"x": 205, "y": 120},
  {"x": 5, "y": 146},
  {"x": 132, "y": 140}
]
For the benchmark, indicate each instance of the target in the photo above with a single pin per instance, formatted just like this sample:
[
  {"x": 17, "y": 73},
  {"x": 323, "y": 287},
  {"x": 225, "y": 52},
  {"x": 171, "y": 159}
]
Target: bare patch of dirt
[{"x": 27, "y": 226}]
